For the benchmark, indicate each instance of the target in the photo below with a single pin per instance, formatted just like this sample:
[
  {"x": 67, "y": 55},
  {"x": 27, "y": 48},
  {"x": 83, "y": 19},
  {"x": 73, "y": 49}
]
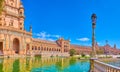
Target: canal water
[{"x": 43, "y": 65}]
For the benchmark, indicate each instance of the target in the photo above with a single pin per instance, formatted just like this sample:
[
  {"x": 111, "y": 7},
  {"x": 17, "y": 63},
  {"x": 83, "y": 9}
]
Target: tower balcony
[{"x": 13, "y": 14}]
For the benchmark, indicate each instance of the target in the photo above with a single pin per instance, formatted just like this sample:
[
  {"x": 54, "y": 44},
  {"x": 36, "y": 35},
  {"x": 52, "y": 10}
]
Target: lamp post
[
  {"x": 92, "y": 67},
  {"x": 93, "y": 17}
]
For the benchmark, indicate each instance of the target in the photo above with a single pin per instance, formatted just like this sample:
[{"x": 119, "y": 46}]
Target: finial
[
  {"x": 21, "y": 5},
  {"x": 30, "y": 28},
  {"x": 114, "y": 45},
  {"x": 106, "y": 42}
]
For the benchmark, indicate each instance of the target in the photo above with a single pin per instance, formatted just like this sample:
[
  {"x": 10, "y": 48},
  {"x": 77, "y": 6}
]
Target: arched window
[
  {"x": 35, "y": 47},
  {"x": 44, "y": 49},
  {"x": 21, "y": 13},
  {"x": 50, "y": 49},
  {"x": 41, "y": 48},
  {"x": 47, "y": 49},
  {"x": 32, "y": 48},
  {"x": 38, "y": 48}
]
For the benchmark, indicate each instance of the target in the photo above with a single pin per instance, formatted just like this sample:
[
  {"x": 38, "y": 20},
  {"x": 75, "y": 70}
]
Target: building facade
[
  {"x": 82, "y": 49},
  {"x": 108, "y": 50},
  {"x": 13, "y": 37},
  {"x": 15, "y": 40}
]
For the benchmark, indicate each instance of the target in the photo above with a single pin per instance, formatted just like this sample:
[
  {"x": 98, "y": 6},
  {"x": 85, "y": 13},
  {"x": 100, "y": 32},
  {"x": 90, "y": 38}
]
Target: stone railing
[{"x": 98, "y": 66}]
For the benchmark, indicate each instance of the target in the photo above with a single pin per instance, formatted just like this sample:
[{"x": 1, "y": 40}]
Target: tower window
[
  {"x": 12, "y": 4},
  {"x": 20, "y": 13},
  {"x": 4, "y": 24},
  {"x": 20, "y": 23},
  {"x": 11, "y": 23},
  {"x": 20, "y": 28}
]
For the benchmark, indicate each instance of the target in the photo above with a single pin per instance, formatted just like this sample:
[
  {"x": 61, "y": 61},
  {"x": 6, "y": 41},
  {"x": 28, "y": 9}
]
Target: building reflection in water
[{"x": 32, "y": 64}]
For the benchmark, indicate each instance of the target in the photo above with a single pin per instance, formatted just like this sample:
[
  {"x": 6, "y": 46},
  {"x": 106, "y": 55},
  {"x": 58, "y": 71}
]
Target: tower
[
  {"x": 64, "y": 44},
  {"x": 12, "y": 15}
]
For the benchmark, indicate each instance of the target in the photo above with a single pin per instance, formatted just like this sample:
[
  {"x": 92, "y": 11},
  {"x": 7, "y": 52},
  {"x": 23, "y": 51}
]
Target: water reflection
[{"x": 43, "y": 65}]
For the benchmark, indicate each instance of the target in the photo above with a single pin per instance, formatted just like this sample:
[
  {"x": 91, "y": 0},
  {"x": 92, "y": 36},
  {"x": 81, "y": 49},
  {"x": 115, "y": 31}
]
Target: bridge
[{"x": 99, "y": 66}]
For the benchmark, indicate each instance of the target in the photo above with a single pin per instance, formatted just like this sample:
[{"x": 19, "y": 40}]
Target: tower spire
[
  {"x": 106, "y": 42},
  {"x": 30, "y": 28}
]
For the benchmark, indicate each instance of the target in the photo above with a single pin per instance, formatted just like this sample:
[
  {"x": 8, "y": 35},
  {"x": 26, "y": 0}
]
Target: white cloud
[
  {"x": 57, "y": 36},
  {"x": 44, "y": 35},
  {"x": 99, "y": 43},
  {"x": 83, "y": 39},
  {"x": 51, "y": 39}
]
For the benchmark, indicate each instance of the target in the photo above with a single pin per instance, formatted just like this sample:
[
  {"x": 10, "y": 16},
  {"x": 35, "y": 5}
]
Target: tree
[
  {"x": 82, "y": 54},
  {"x": 1, "y": 5},
  {"x": 72, "y": 52}
]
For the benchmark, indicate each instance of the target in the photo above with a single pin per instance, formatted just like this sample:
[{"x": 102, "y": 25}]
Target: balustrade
[{"x": 103, "y": 67}]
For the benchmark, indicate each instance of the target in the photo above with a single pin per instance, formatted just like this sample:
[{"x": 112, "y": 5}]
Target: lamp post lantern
[{"x": 93, "y": 17}]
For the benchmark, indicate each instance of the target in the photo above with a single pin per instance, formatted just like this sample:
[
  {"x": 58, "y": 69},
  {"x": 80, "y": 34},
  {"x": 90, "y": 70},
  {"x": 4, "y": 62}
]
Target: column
[
  {"x": 4, "y": 44},
  {"x": 24, "y": 45},
  {"x": 20, "y": 44}
]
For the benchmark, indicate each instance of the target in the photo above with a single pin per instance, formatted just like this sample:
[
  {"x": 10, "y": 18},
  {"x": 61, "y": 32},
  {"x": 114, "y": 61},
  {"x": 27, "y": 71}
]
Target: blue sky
[{"x": 71, "y": 19}]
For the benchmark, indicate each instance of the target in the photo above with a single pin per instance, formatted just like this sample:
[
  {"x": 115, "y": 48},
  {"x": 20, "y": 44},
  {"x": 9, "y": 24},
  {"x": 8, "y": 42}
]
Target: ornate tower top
[{"x": 12, "y": 15}]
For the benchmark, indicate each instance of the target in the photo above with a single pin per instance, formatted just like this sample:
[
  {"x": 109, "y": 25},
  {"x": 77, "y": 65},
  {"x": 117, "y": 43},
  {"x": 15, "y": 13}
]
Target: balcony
[{"x": 12, "y": 13}]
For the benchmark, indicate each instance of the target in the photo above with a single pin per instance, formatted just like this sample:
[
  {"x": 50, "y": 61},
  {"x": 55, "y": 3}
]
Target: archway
[
  {"x": 1, "y": 48},
  {"x": 16, "y": 45}
]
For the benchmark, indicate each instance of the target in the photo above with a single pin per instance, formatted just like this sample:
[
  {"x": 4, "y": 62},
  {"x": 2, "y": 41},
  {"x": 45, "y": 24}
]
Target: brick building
[{"x": 110, "y": 50}]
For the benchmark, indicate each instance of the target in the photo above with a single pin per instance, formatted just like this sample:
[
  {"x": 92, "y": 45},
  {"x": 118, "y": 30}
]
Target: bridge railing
[{"x": 104, "y": 67}]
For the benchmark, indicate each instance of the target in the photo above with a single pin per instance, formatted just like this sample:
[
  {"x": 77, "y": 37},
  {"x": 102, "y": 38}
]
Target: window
[
  {"x": 20, "y": 23},
  {"x": 20, "y": 13},
  {"x": 32, "y": 48},
  {"x": 4, "y": 24},
  {"x": 20, "y": 28},
  {"x": 12, "y": 4},
  {"x": 11, "y": 23}
]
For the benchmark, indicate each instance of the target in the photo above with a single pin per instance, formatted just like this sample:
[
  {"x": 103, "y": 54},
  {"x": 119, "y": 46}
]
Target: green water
[{"x": 43, "y": 65}]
